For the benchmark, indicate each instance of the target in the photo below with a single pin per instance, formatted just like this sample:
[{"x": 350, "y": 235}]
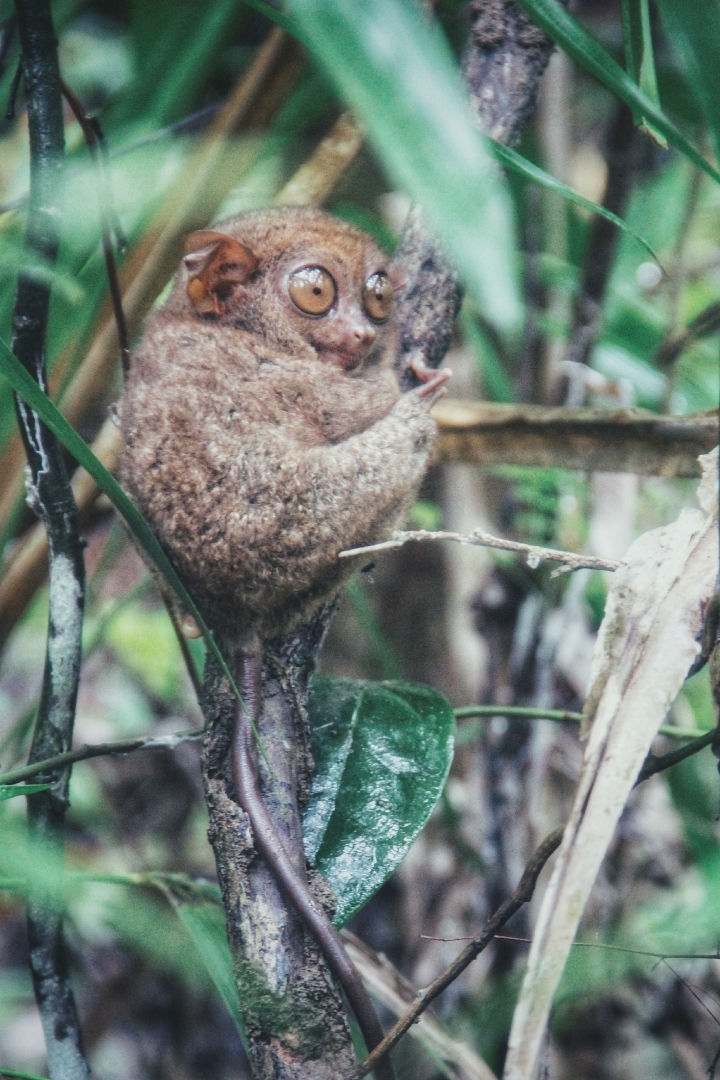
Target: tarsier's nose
[{"x": 364, "y": 334}]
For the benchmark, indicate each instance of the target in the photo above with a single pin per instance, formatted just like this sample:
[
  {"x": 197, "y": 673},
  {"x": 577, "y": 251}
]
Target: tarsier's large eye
[
  {"x": 378, "y": 297},
  {"x": 312, "y": 289}
]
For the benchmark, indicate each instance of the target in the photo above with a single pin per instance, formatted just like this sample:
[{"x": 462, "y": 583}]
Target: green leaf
[
  {"x": 639, "y": 56},
  {"x": 693, "y": 28},
  {"x": 382, "y": 753},
  {"x": 12, "y": 791},
  {"x": 394, "y": 67},
  {"x": 560, "y": 25},
  {"x": 276, "y": 16},
  {"x": 205, "y": 922},
  {"x": 24, "y": 385},
  {"x": 20, "y": 1075},
  {"x": 521, "y": 165}
]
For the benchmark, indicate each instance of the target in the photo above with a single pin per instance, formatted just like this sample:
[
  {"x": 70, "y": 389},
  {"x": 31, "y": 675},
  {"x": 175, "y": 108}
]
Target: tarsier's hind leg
[{"x": 270, "y": 846}]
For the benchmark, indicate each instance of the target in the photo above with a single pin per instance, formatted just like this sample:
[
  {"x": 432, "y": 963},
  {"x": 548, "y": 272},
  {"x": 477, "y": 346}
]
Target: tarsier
[{"x": 265, "y": 433}]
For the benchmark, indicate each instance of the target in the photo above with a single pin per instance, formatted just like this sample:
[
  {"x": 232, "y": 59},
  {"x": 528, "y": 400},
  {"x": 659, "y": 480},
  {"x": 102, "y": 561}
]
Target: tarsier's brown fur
[{"x": 261, "y": 442}]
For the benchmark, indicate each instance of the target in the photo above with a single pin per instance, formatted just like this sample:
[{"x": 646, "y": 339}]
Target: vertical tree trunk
[{"x": 292, "y": 1008}]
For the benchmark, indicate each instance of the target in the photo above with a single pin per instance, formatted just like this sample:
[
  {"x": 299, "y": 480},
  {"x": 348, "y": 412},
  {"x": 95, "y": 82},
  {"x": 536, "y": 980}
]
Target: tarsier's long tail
[{"x": 270, "y": 846}]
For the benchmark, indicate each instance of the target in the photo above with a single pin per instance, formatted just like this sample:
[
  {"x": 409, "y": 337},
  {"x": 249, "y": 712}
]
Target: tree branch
[
  {"x": 592, "y": 440},
  {"x": 51, "y": 496},
  {"x": 533, "y": 554},
  {"x": 523, "y": 893},
  {"x": 84, "y": 753}
]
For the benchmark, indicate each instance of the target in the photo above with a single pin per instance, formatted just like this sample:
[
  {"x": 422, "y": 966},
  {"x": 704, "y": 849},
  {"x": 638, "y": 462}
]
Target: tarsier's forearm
[{"x": 270, "y": 846}]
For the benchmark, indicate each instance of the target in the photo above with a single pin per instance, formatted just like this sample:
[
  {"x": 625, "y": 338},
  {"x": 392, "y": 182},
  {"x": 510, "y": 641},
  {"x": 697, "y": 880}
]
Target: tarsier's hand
[
  {"x": 433, "y": 386},
  {"x": 432, "y": 381}
]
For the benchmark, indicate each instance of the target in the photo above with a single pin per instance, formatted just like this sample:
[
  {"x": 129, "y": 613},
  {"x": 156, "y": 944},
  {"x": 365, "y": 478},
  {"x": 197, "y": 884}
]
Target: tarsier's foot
[{"x": 433, "y": 386}]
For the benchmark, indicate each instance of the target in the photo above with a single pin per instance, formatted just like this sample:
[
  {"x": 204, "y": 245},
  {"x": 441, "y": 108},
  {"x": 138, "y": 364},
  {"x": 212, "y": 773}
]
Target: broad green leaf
[
  {"x": 521, "y": 165},
  {"x": 8, "y": 791},
  {"x": 639, "y": 56},
  {"x": 394, "y": 67},
  {"x": 24, "y": 385},
  {"x": 382, "y": 753},
  {"x": 560, "y": 25},
  {"x": 693, "y": 28}
]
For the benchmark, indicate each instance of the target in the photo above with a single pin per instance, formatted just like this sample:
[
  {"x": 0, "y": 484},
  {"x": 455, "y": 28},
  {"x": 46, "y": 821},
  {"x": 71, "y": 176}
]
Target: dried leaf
[{"x": 646, "y": 644}]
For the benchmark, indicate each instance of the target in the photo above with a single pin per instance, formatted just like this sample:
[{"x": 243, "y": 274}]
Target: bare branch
[
  {"x": 593, "y": 440},
  {"x": 523, "y": 893},
  {"x": 313, "y": 181},
  {"x": 84, "y": 753},
  {"x": 533, "y": 554},
  {"x": 506, "y": 55},
  {"x": 389, "y": 987},
  {"x": 52, "y": 499}
]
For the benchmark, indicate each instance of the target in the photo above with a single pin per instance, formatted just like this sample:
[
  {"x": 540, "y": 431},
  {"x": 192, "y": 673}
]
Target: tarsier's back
[{"x": 265, "y": 431}]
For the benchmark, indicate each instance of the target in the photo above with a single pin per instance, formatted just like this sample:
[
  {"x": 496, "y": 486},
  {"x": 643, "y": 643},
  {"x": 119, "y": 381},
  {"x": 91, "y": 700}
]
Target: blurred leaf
[
  {"x": 276, "y": 16},
  {"x": 205, "y": 922},
  {"x": 525, "y": 168},
  {"x": 639, "y": 57},
  {"x": 560, "y": 25},
  {"x": 144, "y": 640},
  {"x": 694, "y": 30},
  {"x": 382, "y": 752},
  {"x": 617, "y": 365},
  {"x": 12, "y": 791},
  {"x": 425, "y": 514},
  {"x": 20, "y": 1075},
  {"x": 24, "y": 385},
  {"x": 395, "y": 69},
  {"x": 376, "y": 639}
]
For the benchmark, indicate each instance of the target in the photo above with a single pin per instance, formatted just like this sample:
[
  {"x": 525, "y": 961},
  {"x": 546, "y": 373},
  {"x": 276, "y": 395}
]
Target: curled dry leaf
[{"x": 647, "y": 642}]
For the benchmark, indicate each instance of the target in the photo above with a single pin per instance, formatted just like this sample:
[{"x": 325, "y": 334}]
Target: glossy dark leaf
[{"x": 382, "y": 753}]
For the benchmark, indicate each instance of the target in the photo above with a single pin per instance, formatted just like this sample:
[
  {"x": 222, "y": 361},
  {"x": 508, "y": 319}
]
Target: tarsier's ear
[{"x": 216, "y": 263}]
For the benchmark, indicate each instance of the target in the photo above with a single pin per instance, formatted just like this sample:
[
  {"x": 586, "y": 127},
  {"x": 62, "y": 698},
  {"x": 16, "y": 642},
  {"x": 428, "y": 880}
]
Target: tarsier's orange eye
[
  {"x": 312, "y": 289},
  {"x": 378, "y": 297}
]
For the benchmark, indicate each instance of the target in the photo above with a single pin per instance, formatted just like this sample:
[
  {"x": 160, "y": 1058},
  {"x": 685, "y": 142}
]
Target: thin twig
[
  {"x": 595, "y": 945},
  {"x": 523, "y": 893},
  {"x": 93, "y": 138},
  {"x": 84, "y": 753},
  {"x": 51, "y": 496},
  {"x": 654, "y": 765},
  {"x": 524, "y": 712},
  {"x": 534, "y": 555}
]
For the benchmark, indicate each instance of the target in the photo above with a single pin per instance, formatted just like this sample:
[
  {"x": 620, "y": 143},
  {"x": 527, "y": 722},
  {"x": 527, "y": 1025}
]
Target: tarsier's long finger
[{"x": 434, "y": 387}]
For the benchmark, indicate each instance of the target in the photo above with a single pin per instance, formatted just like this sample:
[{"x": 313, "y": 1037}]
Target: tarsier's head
[{"x": 299, "y": 277}]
